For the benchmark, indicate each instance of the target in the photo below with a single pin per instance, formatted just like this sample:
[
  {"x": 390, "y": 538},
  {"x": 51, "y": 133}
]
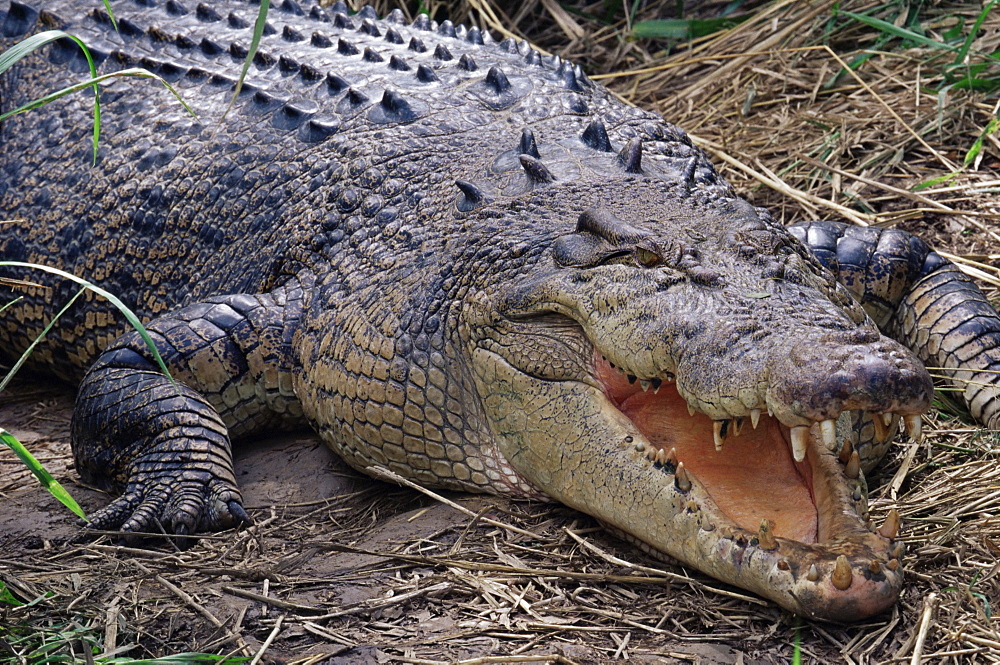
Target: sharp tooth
[
  {"x": 644, "y": 384},
  {"x": 681, "y": 478},
  {"x": 887, "y": 419},
  {"x": 842, "y": 576},
  {"x": 656, "y": 385},
  {"x": 719, "y": 433},
  {"x": 640, "y": 446},
  {"x": 661, "y": 456},
  {"x": 913, "y": 426},
  {"x": 800, "y": 441},
  {"x": 765, "y": 536},
  {"x": 770, "y": 413},
  {"x": 737, "y": 426},
  {"x": 890, "y": 527},
  {"x": 893, "y": 565},
  {"x": 828, "y": 428},
  {"x": 754, "y": 417},
  {"x": 853, "y": 467},
  {"x": 690, "y": 410},
  {"x": 897, "y": 550},
  {"x": 881, "y": 431},
  {"x": 845, "y": 451},
  {"x": 691, "y": 506},
  {"x": 813, "y": 573},
  {"x": 874, "y": 567},
  {"x": 672, "y": 456}
]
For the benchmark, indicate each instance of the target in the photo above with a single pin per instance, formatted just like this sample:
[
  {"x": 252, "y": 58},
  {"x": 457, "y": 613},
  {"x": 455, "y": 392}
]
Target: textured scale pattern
[
  {"x": 463, "y": 261},
  {"x": 334, "y": 133}
]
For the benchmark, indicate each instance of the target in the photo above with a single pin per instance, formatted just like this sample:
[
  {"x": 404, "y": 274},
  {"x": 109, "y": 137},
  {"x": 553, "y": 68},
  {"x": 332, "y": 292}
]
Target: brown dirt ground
[{"x": 343, "y": 569}]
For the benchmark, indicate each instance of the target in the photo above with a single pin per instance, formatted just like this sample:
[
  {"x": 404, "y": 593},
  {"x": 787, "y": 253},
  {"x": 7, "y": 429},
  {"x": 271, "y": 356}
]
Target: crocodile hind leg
[
  {"x": 166, "y": 447},
  {"x": 923, "y": 301}
]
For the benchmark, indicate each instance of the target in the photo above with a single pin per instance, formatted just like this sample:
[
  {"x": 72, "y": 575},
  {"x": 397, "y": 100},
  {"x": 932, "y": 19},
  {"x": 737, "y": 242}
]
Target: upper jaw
[{"x": 800, "y": 382}]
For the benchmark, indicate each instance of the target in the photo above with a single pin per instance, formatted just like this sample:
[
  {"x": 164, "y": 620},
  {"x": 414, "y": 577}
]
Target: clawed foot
[{"x": 178, "y": 504}]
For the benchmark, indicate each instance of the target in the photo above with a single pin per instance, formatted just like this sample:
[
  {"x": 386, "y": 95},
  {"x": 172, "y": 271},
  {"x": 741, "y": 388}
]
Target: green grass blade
[
  {"x": 681, "y": 29},
  {"x": 258, "y": 32},
  {"x": 984, "y": 599},
  {"x": 135, "y": 72},
  {"x": 26, "y": 46},
  {"x": 111, "y": 298},
  {"x": 7, "y": 597},
  {"x": 668, "y": 28},
  {"x": 44, "y": 477},
  {"x": 963, "y": 51},
  {"x": 896, "y": 31},
  {"x": 12, "y": 302},
  {"x": 934, "y": 182},
  {"x": 991, "y": 127},
  {"x": 180, "y": 659},
  {"x": 111, "y": 14},
  {"x": 31, "y": 347},
  {"x": 33, "y": 43}
]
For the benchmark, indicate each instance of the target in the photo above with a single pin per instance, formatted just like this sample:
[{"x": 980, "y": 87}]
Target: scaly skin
[{"x": 466, "y": 263}]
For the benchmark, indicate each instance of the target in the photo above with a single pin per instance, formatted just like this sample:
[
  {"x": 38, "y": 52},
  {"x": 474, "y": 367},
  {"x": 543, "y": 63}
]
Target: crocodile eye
[{"x": 647, "y": 253}]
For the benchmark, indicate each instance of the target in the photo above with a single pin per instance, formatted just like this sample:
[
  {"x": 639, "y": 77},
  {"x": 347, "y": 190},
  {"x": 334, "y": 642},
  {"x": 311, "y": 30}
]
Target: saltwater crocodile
[{"x": 461, "y": 260}]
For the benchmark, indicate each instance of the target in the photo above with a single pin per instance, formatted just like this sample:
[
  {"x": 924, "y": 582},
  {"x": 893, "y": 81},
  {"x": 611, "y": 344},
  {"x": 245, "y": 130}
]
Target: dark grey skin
[{"x": 464, "y": 262}]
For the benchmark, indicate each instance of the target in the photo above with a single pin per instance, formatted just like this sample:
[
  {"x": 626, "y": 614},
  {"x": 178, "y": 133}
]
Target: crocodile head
[{"x": 692, "y": 377}]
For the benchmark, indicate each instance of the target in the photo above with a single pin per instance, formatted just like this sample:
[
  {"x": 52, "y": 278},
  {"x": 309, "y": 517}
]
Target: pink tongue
[{"x": 752, "y": 478}]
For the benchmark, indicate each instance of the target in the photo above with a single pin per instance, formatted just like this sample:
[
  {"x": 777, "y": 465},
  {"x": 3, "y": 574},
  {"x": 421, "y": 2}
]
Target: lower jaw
[{"x": 839, "y": 570}]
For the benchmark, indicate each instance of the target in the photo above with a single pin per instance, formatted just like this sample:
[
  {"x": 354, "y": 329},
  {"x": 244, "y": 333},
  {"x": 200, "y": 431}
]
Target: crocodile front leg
[
  {"x": 166, "y": 447},
  {"x": 923, "y": 301}
]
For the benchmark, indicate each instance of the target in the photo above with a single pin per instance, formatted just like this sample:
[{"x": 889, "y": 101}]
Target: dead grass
[{"x": 356, "y": 578}]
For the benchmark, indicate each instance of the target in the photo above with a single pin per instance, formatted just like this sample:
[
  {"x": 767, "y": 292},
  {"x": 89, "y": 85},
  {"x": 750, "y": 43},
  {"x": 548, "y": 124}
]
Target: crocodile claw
[
  {"x": 237, "y": 512},
  {"x": 197, "y": 502}
]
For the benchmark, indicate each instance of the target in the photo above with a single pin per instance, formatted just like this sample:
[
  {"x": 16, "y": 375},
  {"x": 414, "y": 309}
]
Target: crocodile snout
[{"x": 821, "y": 378}]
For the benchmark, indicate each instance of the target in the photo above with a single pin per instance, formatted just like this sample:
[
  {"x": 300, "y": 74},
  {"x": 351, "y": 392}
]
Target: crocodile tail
[{"x": 923, "y": 301}]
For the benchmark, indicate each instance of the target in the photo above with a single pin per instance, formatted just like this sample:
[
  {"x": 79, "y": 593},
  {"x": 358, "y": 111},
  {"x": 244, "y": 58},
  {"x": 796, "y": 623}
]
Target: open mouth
[
  {"x": 744, "y": 464},
  {"x": 794, "y": 495}
]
